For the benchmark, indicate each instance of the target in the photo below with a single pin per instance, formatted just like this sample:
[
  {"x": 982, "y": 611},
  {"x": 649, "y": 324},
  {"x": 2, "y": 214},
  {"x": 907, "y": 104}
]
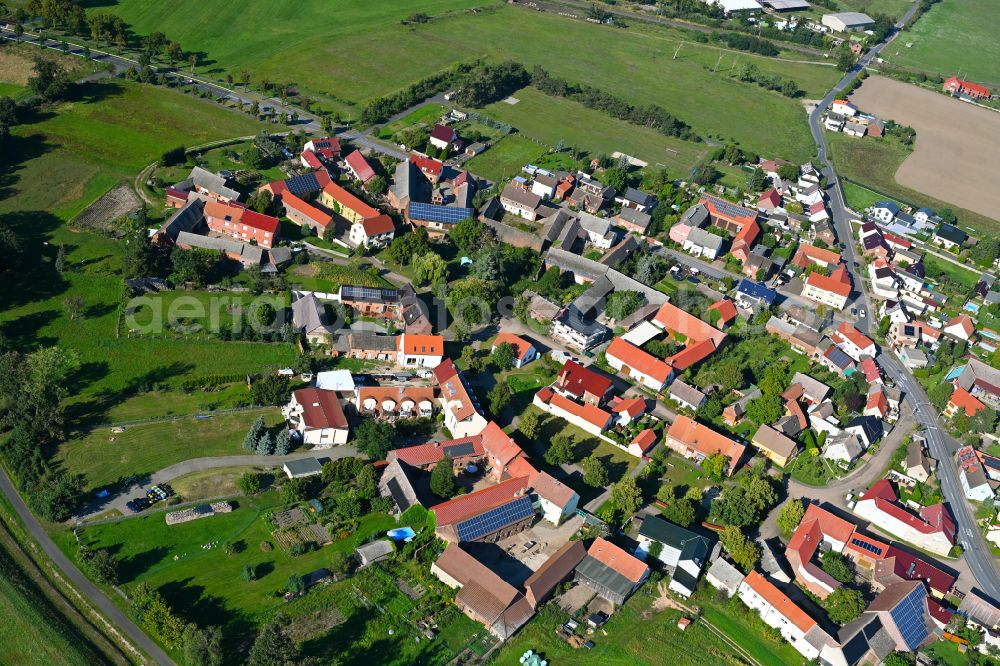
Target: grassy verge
[{"x": 505, "y": 158}]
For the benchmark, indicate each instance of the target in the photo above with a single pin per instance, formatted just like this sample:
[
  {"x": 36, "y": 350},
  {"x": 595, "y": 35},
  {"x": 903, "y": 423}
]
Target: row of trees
[
  {"x": 259, "y": 440},
  {"x": 750, "y": 73},
  {"x": 652, "y": 116},
  {"x": 749, "y": 43}
]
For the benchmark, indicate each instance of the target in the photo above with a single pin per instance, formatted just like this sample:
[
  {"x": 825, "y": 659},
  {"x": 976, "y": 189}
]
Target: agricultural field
[
  {"x": 955, "y": 37},
  {"x": 106, "y": 458},
  {"x": 648, "y": 65},
  {"x": 859, "y": 197},
  {"x": 594, "y": 131},
  {"x": 895, "y": 8},
  {"x": 949, "y": 132},
  {"x": 874, "y": 163}
]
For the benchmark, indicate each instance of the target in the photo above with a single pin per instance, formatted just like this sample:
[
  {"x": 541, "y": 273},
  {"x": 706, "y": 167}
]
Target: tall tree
[
  {"x": 443, "y": 478},
  {"x": 595, "y": 472},
  {"x": 626, "y": 496},
  {"x": 374, "y": 439},
  {"x": 273, "y": 647},
  {"x": 203, "y": 647}
]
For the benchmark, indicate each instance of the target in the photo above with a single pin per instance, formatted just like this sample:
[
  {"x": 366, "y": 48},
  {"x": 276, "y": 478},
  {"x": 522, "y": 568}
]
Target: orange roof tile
[
  {"x": 839, "y": 283},
  {"x": 348, "y": 200},
  {"x": 644, "y": 440},
  {"x": 704, "y": 440},
  {"x": 810, "y": 254},
  {"x": 428, "y": 345},
  {"x": 962, "y": 399},
  {"x": 590, "y": 413},
  {"x": 777, "y": 599},
  {"x": 475, "y": 503},
  {"x": 520, "y": 344},
  {"x": 617, "y": 559},
  {"x": 639, "y": 360},
  {"x": 726, "y": 309}
]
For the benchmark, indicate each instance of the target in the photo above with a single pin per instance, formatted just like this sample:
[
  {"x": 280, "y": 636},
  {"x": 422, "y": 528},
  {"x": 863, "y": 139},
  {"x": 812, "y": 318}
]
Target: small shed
[
  {"x": 298, "y": 469},
  {"x": 374, "y": 551}
]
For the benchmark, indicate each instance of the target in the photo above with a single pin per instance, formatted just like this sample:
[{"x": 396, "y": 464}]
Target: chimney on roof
[{"x": 437, "y": 444}]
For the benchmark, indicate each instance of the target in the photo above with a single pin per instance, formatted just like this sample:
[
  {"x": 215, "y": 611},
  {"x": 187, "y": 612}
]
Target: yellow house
[
  {"x": 774, "y": 445},
  {"x": 343, "y": 203}
]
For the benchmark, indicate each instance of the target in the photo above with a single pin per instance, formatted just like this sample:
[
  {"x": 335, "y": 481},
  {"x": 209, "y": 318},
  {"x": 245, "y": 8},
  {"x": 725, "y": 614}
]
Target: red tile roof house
[
  {"x": 444, "y": 137},
  {"x": 833, "y": 291},
  {"x": 956, "y": 86},
  {"x": 817, "y": 526},
  {"x": 932, "y": 529},
  {"x": 587, "y": 417},
  {"x": 962, "y": 399},
  {"x": 638, "y": 365},
  {"x": 960, "y": 328},
  {"x": 238, "y": 222},
  {"x": 642, "y": 444},
  {"x": 854, "y": 343},
  {"x": 456, "y": 517},
  {"x": 318, "y": 416},
  {"x": 462, "y": 415},
  {"x": 611, "y": 572},
  {"x": 430, "y": 167},
  {"x": 556, "y": 500},
  {"x": 781, "y": 613},
  {"x": 372, "y": 232},
  {"x": 425, "y": 456},
  {"x": 326, "y": 148},
  {"x": 696, "y": 441},
  {"x": 582, "y": 383},
  {"x": 807, "y": 255},
  {"x": 482, "y": 596},
  {"x": 726, "y": 309},
  {"x": 359, "y": 167},
  {"x": 898, "y": 565},
  {"x": 727, "y": 215},
  {"x": 769, "y": 200},
  {"x": 628, "y": 409},
  {"x": 524, "y": 351},
  {"x": 870, "y": 369}
]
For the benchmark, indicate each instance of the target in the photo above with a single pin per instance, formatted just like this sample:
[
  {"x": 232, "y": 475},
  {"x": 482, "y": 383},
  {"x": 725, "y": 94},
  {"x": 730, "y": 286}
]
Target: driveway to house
[
  {"x": 95, "y": 596},
  {"x": 168, "y": 474}
]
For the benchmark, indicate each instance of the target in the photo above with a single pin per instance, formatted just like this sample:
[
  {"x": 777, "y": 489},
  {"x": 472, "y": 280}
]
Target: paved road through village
[{"x": 978, "y": 555}]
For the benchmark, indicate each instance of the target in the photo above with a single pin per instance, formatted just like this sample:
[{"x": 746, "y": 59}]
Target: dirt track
[{"x": 957, "y": 155}]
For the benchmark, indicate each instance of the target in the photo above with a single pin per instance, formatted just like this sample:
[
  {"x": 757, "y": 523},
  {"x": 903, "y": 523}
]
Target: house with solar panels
[
  {"x": 438, "y": 219},
  {"x": 488, "y": 515},
  {"x": 370, "y": 301}
]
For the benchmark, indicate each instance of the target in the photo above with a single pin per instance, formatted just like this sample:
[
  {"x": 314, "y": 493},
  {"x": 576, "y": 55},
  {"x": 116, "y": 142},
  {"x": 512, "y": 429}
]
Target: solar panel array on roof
[
  {"x": 372, "y": 294},
  {"x": 864, "y": 545},
  {"x": 909, "y": 617},
  {"x": 991, "y": 462},
  {"x": 304, "y": 184},
  {"x": 728, "y": 208},
  {"x": 441, "y": 214},
  {"x": 463, "y": 449},
  {"x": 495, "y": 519}
]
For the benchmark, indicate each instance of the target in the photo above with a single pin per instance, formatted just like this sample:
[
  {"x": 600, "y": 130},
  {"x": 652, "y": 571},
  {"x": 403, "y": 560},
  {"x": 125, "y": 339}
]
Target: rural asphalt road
[
  {"x": 978, "y": 556},
  {"x": 168, "y": 474},
  {"x": 76, "y": 577}
]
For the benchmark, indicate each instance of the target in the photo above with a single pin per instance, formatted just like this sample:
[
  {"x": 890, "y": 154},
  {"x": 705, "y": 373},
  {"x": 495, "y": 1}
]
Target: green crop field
[
  {"x": 293, "y": 43},
  {"x": 895, "y": 8},
  {"x": 955, "y": 37},
  {"x": 105, "y": 458},
  {"x": 874, "y": 162},
  {"x": 554, "y": 119}
]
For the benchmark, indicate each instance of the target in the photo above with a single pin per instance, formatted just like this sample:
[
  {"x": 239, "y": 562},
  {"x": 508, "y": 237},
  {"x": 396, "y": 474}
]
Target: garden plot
[
  {"x": 101, "y": 215},
  {"x": 294, "y": 527}
]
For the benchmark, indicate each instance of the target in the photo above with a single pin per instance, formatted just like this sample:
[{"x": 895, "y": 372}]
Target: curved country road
[{"x": 76, "y": 577}]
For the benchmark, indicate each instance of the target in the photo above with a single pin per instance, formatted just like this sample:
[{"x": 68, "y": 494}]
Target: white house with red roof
[
  {"x": 628, "y": 409},
  {"x": 587, "y": 417},
  {"x": 444, "y": 137},
  {"x": 372, "y": 232},
  {"x": 781, "y": 613},
  {"x": 463, "y": 416},
  {"x": 843, "y": 108},
  {"x": 956, "y": 86},
  {"x": 317, "y": 416},
  {"x": 833, "y": 290},
  {"x": 817, "y": 527},
  {"x": 524, "y": 351},
  {"x": 638, "y": 365},
  {"x": 327, "y": 149},
  {"x": 769, "y": 200},
  {"x": 931, "y": 528},
  {"x": 556, "y": 500},
  {"x": 960, "y": 328},
  {"x": 642, "y": 444},
  {"x": 359, "y": 167},
  {"x": 582, "y": 384},
  {"x": 854, "y": 343}
]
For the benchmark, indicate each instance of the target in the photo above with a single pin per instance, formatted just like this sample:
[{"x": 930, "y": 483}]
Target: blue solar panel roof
[
  {"x": 909, "y": 617},
  {"x": 495, "y": 519},
  {"x": 757, "y": 290},
  {"x": 304, "y": 184},
  {"x": 441, "y": 214}
]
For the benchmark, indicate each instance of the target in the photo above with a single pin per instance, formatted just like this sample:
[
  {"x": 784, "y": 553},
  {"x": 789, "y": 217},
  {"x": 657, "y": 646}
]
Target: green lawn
[
  {"x": 641, "y": 64},
  {"x": 947, "y": 653},
  {"x": 144, "y": 449},
  {"x": 895, "y": 8},
  {"x": 954, "y": 37},
  {"x": 427, "y": 115},
  {"x": 860, "y": 197},
  {"x": 874, "y": 162},
  {"x": 553, "y": 119},
  {"x": 953, "y": 272},
  {"x": 204, "y": 585},
  {"x": 504, "y": 159},
  {"x": 638, "y": 635}
]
